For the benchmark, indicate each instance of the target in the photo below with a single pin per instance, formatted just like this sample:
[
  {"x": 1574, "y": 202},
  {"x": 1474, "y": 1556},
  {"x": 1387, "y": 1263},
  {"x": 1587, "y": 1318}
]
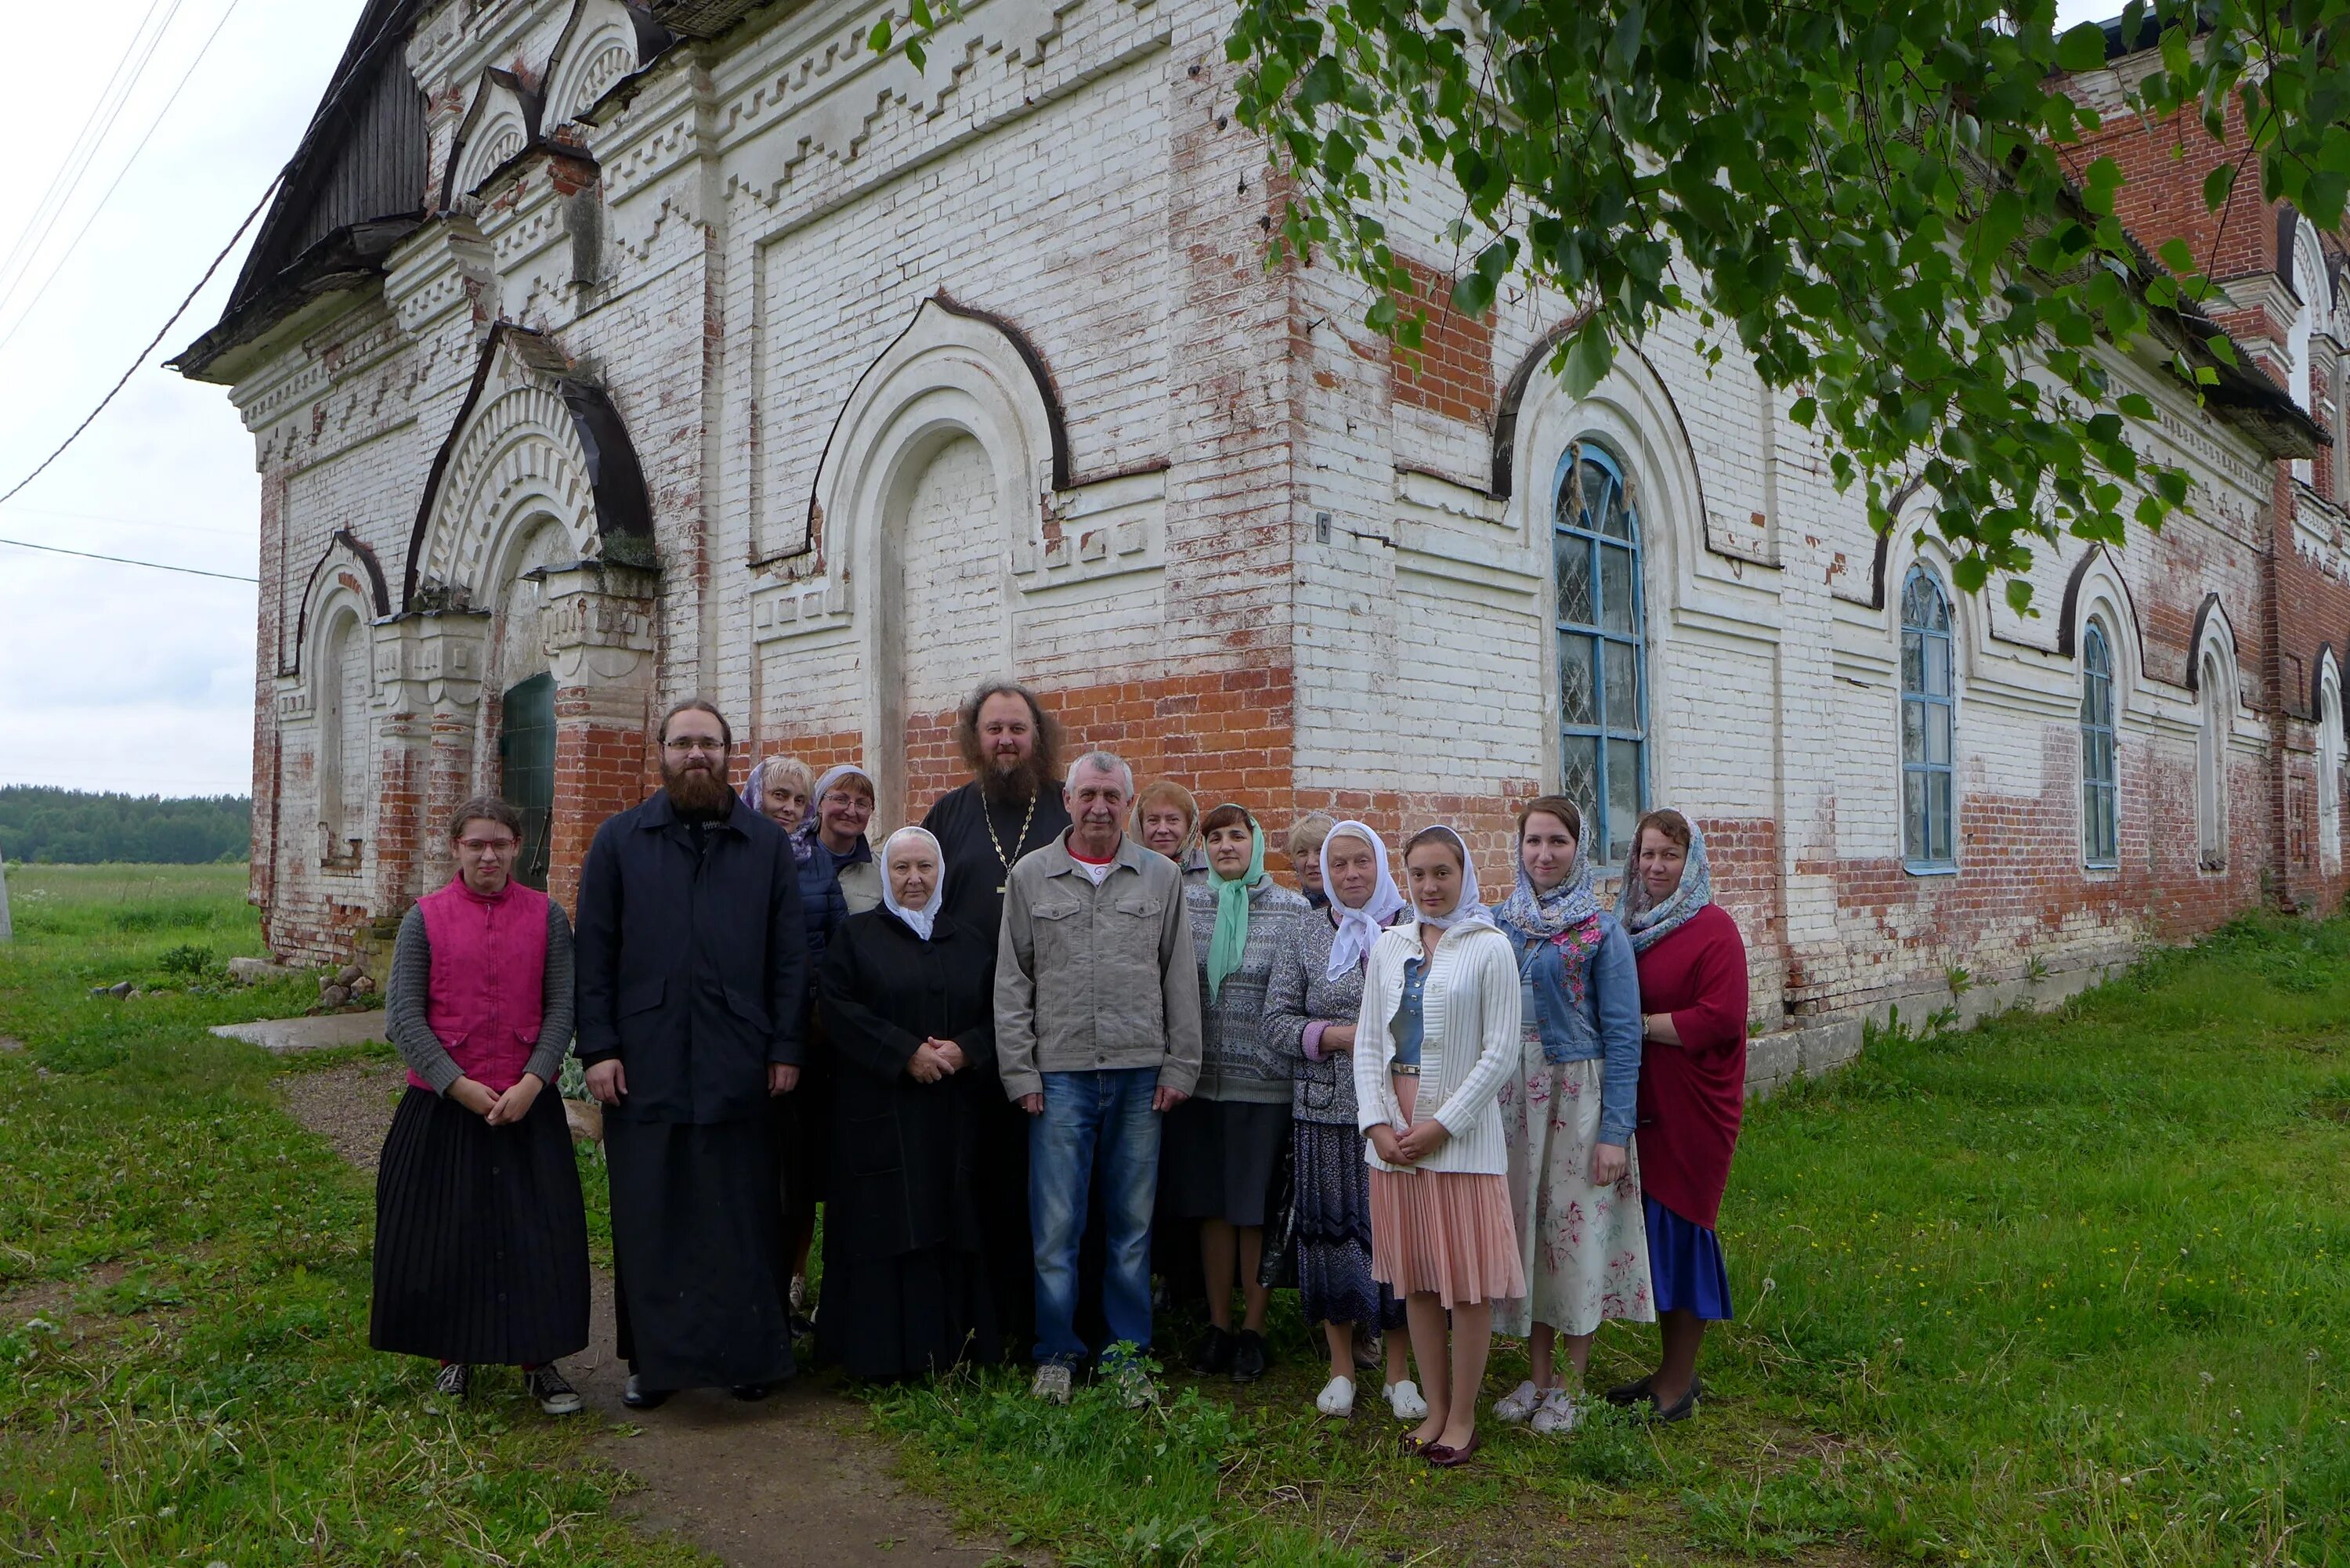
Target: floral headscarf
[
  {"x": 1651, "y": 924},
  {"x": 1567, "y": 917}
]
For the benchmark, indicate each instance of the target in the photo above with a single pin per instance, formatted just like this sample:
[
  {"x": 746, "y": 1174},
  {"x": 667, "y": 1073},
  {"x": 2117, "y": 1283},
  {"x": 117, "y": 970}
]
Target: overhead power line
[
  {"x": 276, "y": 181},
  {"x": 128, "y": 561},
  {"x": 152, "y": 344},
  {"x": 94, "y": 132},
  {"x": 82, "y": 234}
]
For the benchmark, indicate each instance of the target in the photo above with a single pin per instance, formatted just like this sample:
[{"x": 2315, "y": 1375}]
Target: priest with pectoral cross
[{"x": 1012, "y": 806}]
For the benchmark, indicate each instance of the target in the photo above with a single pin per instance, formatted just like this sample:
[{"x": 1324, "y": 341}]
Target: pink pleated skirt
[{"x": 1445, "y": 1233}]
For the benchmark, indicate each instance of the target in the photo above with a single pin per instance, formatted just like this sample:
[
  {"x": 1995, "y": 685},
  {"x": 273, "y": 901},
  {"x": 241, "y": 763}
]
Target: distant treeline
[{"x": 68, "y": 827}]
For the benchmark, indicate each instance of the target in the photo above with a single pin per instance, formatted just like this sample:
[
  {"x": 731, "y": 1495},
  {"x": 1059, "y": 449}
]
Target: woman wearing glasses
[{"x": 481, "y": 1255}]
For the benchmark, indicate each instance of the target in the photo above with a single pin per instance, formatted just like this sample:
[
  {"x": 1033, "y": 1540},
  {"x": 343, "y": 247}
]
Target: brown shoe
[{"x": 1445, "y": 1457}]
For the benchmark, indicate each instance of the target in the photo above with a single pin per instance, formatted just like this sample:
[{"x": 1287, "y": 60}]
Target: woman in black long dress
[
  {"x": 907, "y": 997},
  {"x": 481, "y": 1238}
]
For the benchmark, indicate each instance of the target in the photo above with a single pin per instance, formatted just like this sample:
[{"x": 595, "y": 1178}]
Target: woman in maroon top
[{"x": 1692, "y": 1093}]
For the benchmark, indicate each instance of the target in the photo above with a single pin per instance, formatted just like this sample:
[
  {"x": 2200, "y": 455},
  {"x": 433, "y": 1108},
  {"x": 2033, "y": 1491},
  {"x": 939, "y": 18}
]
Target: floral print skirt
[
  {"x": 1585, "y": 1248},
  {"x": 1334, "y": 1231}
]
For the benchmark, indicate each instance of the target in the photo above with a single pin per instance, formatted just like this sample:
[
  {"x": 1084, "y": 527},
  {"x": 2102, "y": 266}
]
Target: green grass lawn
[
  {"x": 213, "y": 1398},
  {"x": 2068, "y": 1289}
]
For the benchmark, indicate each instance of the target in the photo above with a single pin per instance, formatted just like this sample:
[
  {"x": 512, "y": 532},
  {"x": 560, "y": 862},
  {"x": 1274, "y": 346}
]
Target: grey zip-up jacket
[{"x": 1090, "y": 977}]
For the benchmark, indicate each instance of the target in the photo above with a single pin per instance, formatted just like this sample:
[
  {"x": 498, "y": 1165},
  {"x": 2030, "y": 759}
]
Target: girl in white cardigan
[{"x": 1438, "y": 1037}]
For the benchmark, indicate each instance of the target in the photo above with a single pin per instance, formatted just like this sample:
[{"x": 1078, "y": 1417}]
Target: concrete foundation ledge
[
  {"x": 323, "y": 1033},
  {"x": 1786, "y": 1055}
]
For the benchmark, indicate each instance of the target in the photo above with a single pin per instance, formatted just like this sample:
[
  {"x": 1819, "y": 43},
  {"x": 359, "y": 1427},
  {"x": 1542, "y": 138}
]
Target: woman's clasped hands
[{"x": 934, "y": 1059}]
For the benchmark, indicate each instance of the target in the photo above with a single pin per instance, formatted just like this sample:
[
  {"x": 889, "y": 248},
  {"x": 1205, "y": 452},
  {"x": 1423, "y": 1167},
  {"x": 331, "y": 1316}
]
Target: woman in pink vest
[{"x": 481, "y": 1239}]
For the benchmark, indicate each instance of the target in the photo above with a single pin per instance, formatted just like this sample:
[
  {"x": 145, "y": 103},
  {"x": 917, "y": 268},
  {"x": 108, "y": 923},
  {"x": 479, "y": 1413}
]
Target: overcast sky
[{"x": 114, "y": 677}]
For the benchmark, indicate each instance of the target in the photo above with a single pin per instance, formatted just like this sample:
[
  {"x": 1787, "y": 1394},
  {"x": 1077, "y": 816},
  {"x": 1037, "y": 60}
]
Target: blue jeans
[{"x": 1112, "y": 1109}]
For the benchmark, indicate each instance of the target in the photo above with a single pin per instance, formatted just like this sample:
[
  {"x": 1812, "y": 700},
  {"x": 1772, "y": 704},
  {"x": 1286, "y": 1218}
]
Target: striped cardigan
[{"x": 1470, "y": 1009}]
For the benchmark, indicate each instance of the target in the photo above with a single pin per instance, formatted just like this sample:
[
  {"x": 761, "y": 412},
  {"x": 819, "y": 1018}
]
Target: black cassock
[
  {"x": 906, "y": 1287},
  {"x": 962, "y": 821},
  {"x": 692, "y": 971}
]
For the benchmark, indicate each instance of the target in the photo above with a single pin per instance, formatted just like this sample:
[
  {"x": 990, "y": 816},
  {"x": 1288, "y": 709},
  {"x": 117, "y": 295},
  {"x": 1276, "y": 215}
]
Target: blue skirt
[{"x": 1685, "y": 1266}]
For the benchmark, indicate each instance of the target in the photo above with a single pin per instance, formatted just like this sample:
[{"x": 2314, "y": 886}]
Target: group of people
[{"x": 1064, "y": 1036}]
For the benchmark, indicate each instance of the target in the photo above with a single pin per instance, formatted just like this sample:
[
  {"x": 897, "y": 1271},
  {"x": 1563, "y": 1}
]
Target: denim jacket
[{"x": 1605, "y": 1023}]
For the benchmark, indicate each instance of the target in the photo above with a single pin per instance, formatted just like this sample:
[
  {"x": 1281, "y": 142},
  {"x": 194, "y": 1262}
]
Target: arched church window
[
  {"x": 2100, "y": 791},
  {"x": 2211, "y": 763},
  {"x": 343, "y": 760},
  {"x": 1602, "y": 630},
  {"x": 2330, "y": 746},
  {"x": 1928, "y": 726}
]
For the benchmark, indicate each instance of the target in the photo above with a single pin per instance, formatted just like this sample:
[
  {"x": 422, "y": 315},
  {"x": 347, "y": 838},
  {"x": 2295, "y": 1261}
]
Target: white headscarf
[
  {"x": 922, "y": 921},
  {"x": 1468, "y": 911},
  {"x": 1358, "y": 928}
]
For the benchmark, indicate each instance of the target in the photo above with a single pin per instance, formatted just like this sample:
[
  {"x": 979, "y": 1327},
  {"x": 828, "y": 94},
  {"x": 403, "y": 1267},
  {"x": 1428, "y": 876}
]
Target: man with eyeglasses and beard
[
  {"x": 1012, "y": 806},
  {"x": 692, "y": 975}
]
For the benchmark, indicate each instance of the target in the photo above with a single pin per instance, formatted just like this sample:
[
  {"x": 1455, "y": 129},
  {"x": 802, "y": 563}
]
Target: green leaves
[{"x": 1879, "y": 198}]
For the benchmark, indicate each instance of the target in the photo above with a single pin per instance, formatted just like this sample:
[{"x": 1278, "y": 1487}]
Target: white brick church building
[{"x": 599, "y": 354}]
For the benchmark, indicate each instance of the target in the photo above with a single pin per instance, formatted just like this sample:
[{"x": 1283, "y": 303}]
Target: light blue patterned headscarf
[
  {"x": 1572, "y": 902},
  {"x": 1651, "y": 924}
]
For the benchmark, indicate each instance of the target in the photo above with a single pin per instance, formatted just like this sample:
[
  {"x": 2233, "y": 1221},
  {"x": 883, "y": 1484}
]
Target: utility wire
[
  {"x": 152, "y": 344},
  {"x": 276, "y": 181},
  {"x": 83, "y": 233},
  {"x": 128, "y": 561},
  {"x": 94, "y": 132}
]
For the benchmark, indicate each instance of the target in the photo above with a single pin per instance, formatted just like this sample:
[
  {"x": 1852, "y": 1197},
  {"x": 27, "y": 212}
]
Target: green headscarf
[{"x": 1230, "y": 939}]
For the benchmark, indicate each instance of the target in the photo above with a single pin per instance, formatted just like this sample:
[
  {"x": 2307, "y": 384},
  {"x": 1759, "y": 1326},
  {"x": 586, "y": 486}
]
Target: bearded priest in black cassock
[
  {"x": 1012, "y": 806},
  {"x": 692, "y": 976}
]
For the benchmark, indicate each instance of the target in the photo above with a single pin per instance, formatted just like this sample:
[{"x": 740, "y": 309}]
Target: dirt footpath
[{"x": 796, "y": 1480}]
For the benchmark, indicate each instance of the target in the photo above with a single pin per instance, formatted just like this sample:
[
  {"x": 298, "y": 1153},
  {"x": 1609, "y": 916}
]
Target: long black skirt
[
  {"x": 907, "y": 1317},
  {"x": 481, "y": 1238},
  {"x": 697, "y": 1230}
]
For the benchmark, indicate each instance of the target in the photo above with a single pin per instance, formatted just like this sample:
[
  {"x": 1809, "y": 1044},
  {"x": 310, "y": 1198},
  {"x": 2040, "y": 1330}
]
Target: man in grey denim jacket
[{"x": 1098, "y": 1036}]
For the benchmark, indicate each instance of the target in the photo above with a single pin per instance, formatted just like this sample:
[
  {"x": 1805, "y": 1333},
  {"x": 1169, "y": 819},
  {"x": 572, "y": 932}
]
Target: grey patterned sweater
[
  {"x": 1301, "y": 994},
  {"x": 412, "y": 977},
  {"x": 1234, "y": 1062}
]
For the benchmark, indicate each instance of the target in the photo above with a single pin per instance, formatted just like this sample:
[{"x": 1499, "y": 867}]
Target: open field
[{"x": 2068, "y": 1289}]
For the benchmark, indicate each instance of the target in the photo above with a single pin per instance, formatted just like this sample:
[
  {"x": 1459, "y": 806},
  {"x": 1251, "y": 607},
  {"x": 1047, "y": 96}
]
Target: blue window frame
[
  {"x": 1602, "y": 627},
  {"x": 2100, "y": 793},
  {"x": 1928, "y": 726}
]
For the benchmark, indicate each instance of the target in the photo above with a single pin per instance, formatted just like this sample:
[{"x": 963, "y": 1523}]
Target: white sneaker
[
  {"x": 1052, "y": 1384},
  {"x": 1518, "y": 1404},
  {"x": 1336, "y": 1399},
  {"x": 1404, "y": 1399},
  {"x": 1557, "y": 1415}
]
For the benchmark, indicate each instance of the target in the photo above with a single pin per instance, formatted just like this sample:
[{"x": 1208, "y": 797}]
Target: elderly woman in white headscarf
[
  {"x": 1311, "y": 1004},
  {"x": 907, "y": 1000},
  {"x": 1438, "y": 1038}
]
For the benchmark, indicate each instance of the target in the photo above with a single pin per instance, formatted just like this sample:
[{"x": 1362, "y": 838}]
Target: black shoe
[
  {"x": 1248, "y": 1356},
  {"x": 455, "y": 1380},
  {"x": 1680, "y": 1409},
  {"x": 637, "y": 1397},
  {"x": 1215, "y": 1353},
  {"x": 751, "y": 1393},
  {"x": 1629, "y": 1393}
]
